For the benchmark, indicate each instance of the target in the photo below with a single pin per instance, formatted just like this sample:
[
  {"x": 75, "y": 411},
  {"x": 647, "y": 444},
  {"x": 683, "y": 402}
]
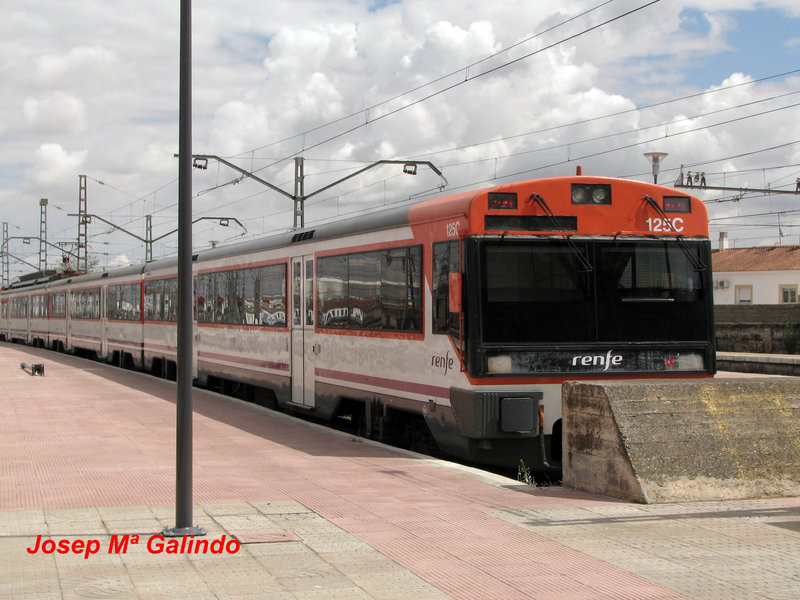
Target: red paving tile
[{"x": 88, "y": 435}]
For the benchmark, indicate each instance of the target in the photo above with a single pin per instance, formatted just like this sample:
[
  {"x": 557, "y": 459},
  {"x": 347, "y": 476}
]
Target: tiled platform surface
[{"x": 87, "y": 453}]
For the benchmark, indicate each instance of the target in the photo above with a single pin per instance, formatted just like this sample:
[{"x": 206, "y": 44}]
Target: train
[{"x": 446, "y": 324}]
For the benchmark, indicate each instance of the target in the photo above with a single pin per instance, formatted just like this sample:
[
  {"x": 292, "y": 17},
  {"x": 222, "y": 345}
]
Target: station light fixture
[{"x": 655, "y": 159}]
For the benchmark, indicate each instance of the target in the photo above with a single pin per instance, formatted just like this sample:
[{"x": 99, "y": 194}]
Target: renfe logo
[{"x": 594, "y": 360}]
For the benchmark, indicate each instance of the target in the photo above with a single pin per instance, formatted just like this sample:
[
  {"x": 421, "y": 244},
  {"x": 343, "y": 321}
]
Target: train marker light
[
  {"x": 677, "y": 204},
  {"x": 502, "y": 201}
]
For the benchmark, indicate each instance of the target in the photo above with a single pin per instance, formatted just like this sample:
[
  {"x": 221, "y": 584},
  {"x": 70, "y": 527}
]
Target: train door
[
  {"x": 102, "y": 298},
  {"x": 302, "y": 330},
  {"x": 28, "y": 310},
  {"x": 195, "y": 330}
]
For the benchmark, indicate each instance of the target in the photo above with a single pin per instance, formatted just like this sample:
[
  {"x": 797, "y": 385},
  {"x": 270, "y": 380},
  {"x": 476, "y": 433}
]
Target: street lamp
[{"x": 655, "y": 159}]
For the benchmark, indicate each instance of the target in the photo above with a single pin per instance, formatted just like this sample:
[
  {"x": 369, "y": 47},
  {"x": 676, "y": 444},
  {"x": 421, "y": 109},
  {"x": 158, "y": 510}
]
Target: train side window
[
  {"x": 39, "y": 306},
  {"x": 123, "y": 302},
  {"x": 19, "y": 307},
  {"x": 84, "y": 304},
  {"x": 446, "y": 260},
  {"x": 250, "y": 296},
  {"x": 309, "y": 299},
  {"x": 377, "y": 290},
  {"x": 58, "y": 305},
  {"x": 161, "y": 299}
]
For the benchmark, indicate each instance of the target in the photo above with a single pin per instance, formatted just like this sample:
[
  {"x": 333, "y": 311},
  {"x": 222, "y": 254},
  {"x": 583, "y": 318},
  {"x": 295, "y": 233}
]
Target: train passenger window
[
  {"x": 124, "y": 302},
  {"x": 4, "y": 309},
  {"x": 58, "y": 305},
  {"x": 297, "y": 286},
  {"x": 446, "y": 260},
  {"x": 378, "y": 290},
  {"x": 19, "y": 307},
  {"x": 250, "y": 296},
  {"x": 39, "y": 306},
  {"x": 161, "y": 299},
  {"x": 84, "y": 304},
  {"x": 309, "y": 300}
]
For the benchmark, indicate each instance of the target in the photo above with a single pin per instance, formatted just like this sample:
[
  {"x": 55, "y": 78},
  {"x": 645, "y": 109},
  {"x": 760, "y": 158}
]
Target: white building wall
[{"x": 765, "y": 285}]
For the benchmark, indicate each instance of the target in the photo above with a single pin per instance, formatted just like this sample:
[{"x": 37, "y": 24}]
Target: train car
[
  {"x": 451, "y": 322},
  {"x": 159, "y": 341},
  {"x": 122, "y": 317}
]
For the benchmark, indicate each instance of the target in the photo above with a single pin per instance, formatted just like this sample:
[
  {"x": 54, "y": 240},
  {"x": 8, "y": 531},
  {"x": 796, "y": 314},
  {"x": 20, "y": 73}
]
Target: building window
[
  {"x": 744, "y": 294},
  {"x": 788, "y": 294}
]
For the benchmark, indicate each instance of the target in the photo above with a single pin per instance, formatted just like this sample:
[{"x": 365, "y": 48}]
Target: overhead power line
[
  {"x": 467, "y": 78},
  {"x": 465, "y": 69}
]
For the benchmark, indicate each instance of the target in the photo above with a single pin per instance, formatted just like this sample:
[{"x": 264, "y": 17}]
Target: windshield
[{"x": 543, "y": 292}]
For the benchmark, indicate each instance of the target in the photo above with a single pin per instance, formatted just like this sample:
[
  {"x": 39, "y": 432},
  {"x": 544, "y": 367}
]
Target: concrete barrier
[{"x": 672, "y": 441}]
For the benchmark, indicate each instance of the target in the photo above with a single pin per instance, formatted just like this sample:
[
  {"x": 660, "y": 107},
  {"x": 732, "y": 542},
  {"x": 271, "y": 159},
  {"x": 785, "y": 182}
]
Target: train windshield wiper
[
  {"x": 697, "y": 263},
  {"x": 586, "y": 265}
]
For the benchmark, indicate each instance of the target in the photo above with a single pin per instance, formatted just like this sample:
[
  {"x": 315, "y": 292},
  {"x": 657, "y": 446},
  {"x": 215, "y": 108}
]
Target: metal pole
[
  {"x": 5, "y": 255},
  {"x": 83, "y": 222},
  {"x": 183, "y": 476},
  {"x": 299, "y": 193},
  {"x": 148, "y": 235},
  {"x": 43, "y": 234}
]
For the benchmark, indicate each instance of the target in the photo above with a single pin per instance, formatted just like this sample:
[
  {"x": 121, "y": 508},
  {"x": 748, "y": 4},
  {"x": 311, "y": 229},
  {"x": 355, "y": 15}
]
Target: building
[{"x": 760, "y": 275}]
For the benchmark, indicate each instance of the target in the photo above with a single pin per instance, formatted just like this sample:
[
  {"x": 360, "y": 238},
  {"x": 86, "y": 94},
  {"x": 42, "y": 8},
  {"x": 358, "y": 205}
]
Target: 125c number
[{"x": 665, "y": 225}]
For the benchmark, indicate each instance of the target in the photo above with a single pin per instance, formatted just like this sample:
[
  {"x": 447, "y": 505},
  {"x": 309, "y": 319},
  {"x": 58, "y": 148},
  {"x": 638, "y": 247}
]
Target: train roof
[{"x": 370, "y": 221}]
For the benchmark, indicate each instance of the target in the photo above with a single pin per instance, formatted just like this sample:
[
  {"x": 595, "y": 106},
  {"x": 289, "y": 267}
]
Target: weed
[{"x": 524, "y": 474}]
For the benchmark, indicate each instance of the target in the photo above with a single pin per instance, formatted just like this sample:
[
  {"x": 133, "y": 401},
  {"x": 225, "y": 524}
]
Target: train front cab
[{"x": 551, "y": 290}]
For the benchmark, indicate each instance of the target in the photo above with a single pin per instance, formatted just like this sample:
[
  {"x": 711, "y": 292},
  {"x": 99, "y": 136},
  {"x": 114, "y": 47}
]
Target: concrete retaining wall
[
  {"x": 757, "y": 327},
  {"x": 671, "y": 441}
]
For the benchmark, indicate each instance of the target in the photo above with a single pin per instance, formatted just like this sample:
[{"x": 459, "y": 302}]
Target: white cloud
[
  {"x": 119, "y": 260},
  {"x": 94, "y": 89},
  {"x": 53, "y": 165},
  {"x": 59, "y": 113},
  {"x": 82, "y": 63}
]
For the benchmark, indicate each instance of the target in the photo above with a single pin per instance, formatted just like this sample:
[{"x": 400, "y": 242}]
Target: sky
[{"x": 489, "y": 92}]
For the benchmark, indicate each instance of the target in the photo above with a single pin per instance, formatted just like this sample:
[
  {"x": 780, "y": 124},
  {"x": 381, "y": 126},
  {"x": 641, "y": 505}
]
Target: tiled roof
[{"x": 761, "y": 258}]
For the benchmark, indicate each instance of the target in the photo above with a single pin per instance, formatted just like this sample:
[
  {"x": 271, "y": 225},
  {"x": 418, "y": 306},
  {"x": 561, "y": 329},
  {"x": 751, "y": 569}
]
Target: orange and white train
[{"x": 453, "y": 320}]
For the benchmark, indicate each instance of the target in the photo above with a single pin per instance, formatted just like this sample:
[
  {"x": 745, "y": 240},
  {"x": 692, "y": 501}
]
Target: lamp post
[{"x": 655, "y": 159}]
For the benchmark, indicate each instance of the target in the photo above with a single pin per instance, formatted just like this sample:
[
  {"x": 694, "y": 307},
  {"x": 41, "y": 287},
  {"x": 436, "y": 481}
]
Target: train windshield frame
[{"x": 629, "y": 305}]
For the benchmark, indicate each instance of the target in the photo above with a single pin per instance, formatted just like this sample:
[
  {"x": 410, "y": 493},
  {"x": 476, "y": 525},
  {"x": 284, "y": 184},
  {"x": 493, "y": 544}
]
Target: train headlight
[
  {"x": 499, "y": 364},
  {"x": 598, "y": 193},
  {"x": 684, "y": 361}
]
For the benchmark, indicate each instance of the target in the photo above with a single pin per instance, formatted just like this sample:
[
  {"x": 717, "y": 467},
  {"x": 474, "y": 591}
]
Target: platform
[{"x": 87, "y": 458}]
